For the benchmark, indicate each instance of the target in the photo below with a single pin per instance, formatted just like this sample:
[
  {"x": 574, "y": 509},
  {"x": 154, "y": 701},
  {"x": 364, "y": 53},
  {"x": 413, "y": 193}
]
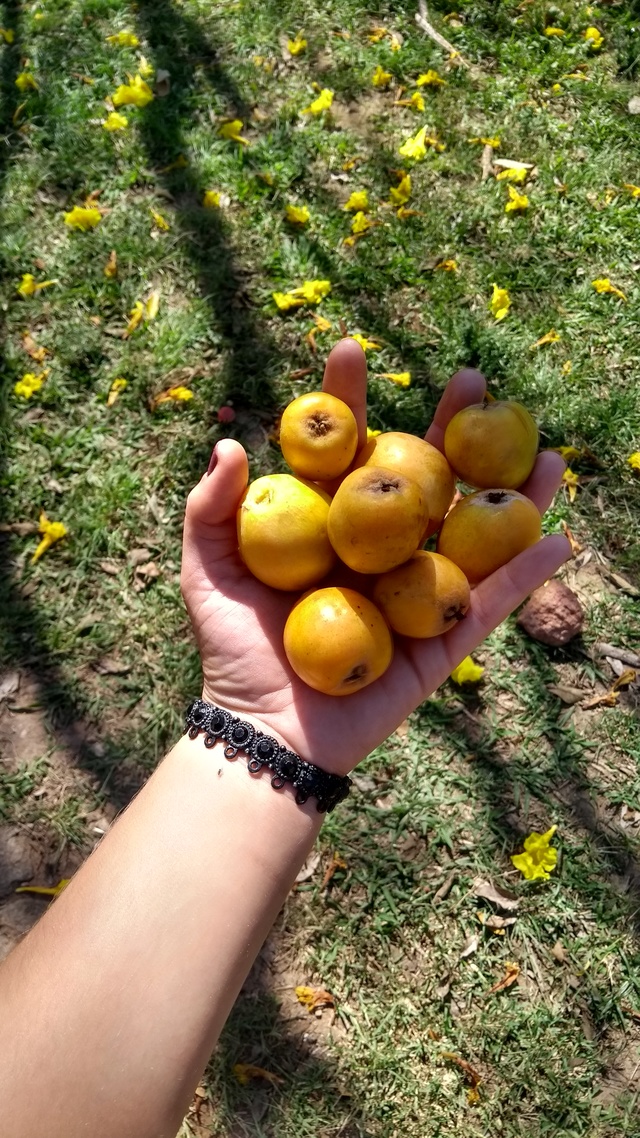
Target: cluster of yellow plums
[{"x": 347, "y": 526}]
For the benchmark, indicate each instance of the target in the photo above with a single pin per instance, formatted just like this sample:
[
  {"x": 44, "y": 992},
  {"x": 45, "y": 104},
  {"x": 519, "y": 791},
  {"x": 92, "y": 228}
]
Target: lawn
[{"x": 171, "y": 293}]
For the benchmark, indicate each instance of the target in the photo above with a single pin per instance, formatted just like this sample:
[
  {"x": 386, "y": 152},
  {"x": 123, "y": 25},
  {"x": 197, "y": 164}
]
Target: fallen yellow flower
[
  {"x": 211, "y": 199},
  {"x": 554, "y": 32},
  {"x": 43, "y": 890},
  {"x": 26, "y": 82},
  {"x": 548, "y": 338},
  {"x": 231, "y": 130},
  {"x": 380, "y": 77},
  {"x": 115, "y": 121},
  {"x": 310, "y": 292},
  {"x": 594, "y": 38},
  {"x": 416, "y": 147},
  {"x": 83, "y": 217},
  {"x": 152, "y": 304},
  {"x": 30, "y": 384},
  {"x": 493, "y": 142},
  {"x": 160, "y": 221},
  {"x": 416, "y": 102},
  {"x": 517, "y": 201},
  {"x": 569, "y": 454},
  {"x": 297, "y": 214},
  {"x": 135, "y": 93},
  {"x": 513, "y": 174},
  {"x": 403, "y": 213},
  {"x": 603, "y": 284},
  {"x": 556, "y": 89},
  {"x": 430, "y": 78},
  {"x": 177, "y": 394},
  {"x": 117, "y": 387},
  {"x": 358, "y": 200},
  {"x": 372, "y": 434},
  {"x": 111, "y": 268},
  {"x": 124, "y": 39},
  {"x": 145, "y": 69},
  {"x": 297, "y": 45},
  {"x": 539, "y": 857},
  {"x": 365, "y": 344},
  {"x": 500, "y": 302},
  {"x": 567, "y": 367},
  {"x": 377, "y": 33},
  {"x": 400, "y": 378},
  {"x": 246, "y": 1071},
  {"x": 401, "y": 193},
  {"x": 448, "y": 266},
  {"x": 361, "y": 223},
  {"x": 634, "y": 460},
  {"x": 571, "y": 481},
  {"x": 633, "y": 190},
  {"x": 322, "y": 103},
  {"x": 467, "y": 672},
  {"x": 321, "y": 323},
  {"x": 51, "y": 532},
  {"x": 28, "y": 285},
  {"x": 7, "y": 34}
]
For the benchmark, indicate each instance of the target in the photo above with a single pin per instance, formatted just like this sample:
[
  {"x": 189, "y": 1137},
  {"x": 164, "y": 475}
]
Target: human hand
[{"x": 239, "y": 622}]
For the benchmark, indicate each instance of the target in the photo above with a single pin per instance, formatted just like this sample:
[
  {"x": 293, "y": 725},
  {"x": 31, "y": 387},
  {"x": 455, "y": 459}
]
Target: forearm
[{"x": 119, "y": 994}]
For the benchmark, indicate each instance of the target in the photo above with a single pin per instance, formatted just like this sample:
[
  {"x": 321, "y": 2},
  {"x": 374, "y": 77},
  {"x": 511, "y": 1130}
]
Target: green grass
[{"x": 476, "y": 771}]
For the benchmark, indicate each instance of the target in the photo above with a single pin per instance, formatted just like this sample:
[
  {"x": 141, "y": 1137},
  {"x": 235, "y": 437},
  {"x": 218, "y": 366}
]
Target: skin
[{"x": 118, "y": 995}]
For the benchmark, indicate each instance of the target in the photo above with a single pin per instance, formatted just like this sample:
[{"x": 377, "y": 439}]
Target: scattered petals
[
  {"x": 492, "y": 142},
  {"x": 358, "y": 200},
  {"x": 467, "y": 672},
  {"x": 243, "y": 1072},
  {"x": 111, "y": 268},
  {"x": 400, "y": 378},
  {"x": 159, "y": 221},
  {"x": 28, "y": 285},
  {"x": 211, "y": 199},
  {"x": 115, "y": 121},
  {"x": 7, "y": 34},
  {"x": 145, "y": 69},
  {"x": 517, "y": 201},
  {"x": 322, "y": 103},
  {"x": 177, "y": 394},
  {"x": 415, "y": 147},
  {"x": 448, "y": 266},
  {"x": 569, "y": 454},
  {"x": 297, "y": 45},
  {"x": 116, "y": 389},
  {"x": 152, "y": 305},
  {"x": 430, "y": 78},
  {"x": 513, "y": 174},
  {"x": 554, "y": 32},
  {"x": 136, "y": 93},
  {"x": 603, "y": 284},
  {"x": 551, "y": 337},
  {"x": 634, "y": 460},
  {"x": 361, "y": 223},
  {"x": 26, "y": 82},
  {"x": 310, "y": 292},
  {"x": 380, "y": 77},
  {"x": 567, "y": 367},
  {"x": 539, "y": 857},
  {"x": 313, "y": 998},
  {"x": 135, "y": 318},
  {"x": 377, "y": 33},
  {"x": 297, "y": 214},
  {"x": 124, "y": 39},
  {"x": 81, "y": 217},
  {"x": 372, "y": 434},
  {"x": 571, "y": 481},
  {"x": 401, "y": 193},
  {"x": 365, "y": 344},
  {"x": 51, "y": 532},
  {"x": 500, "y": 302},
  {"x": 633, "y": 190},
  {"x": 321, "y": 323},
  {"x": 416, "y": 102},
  {"x": 30, "y": 384},
  {"x": 594, "y": 38},
  {"x": 231, "y": 130},
  {"x": 556, "y": 89},
  {"x": 43, "y": 890},
  {"x": 511, "y": 973}
]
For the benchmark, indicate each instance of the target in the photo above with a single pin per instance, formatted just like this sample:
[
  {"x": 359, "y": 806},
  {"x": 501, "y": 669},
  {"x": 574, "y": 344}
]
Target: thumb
[{"x": 215, "y": 499}]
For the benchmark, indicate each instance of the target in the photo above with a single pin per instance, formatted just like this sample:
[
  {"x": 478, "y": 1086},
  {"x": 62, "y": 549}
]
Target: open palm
[{"x": 239, "y": 622}]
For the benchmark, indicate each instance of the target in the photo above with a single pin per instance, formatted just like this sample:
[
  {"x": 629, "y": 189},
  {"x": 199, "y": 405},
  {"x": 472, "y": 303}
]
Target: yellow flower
[
  {"x": 493, "y": 142},
  {"x": 569, "y": 454},
  {"x": 175, "y": 395},
  {"x": 145, "y": 69},
  {"x": 500, "y": 302},
  {"x": 549, "y": 338},
  {"x": 513, "y": 174},
  {"x": 135, "y": 317},
  {"x": 45, "y": 891},
  {"x": 30, "y": 384},
  {"x": 365, "y": 344},
  {"x": 633, "y": 190},
  {"x": 517, "y": 201},
  {"x": 297, "y": 44},
  {"x": 401, "y": 193},
  {"x": 416, "y": 146},
  {"x": 321, "y": 324},
  {"x": 467, "y": 672},
  {"x": 152, "y": 304},
  {"x": 160, "y": 221},
  {"x": 377, "y": 33},
  {"x": 594, "y": 38},
  {"x": 374, "y": 434},
  {"x": 297, "y": 214},
  {"x": 380, "y": 77},
  {"x": 81, "y": 217},
  {"x": 571, "y": 481},
  {"x": 211, "y": 199},
  {"x": 51, "y": 532},
  {"x": 309, "y": 292},
  {"x": 115, "y": 121},
  {"x": 361, "y": 223},
  {"x": 634, "y": 460},
  {"x": 567, "y": 367},
  {"x": 7, "y": 34},
  {"x": 539, "y": 857},
  {"x": 115, "y": 390},
  {"x": 403, "y": 213},
  {"x": 554, "y": 32},
  {"x": 358, "y": 200},
  {"x": 28, "y": 285},
  {"x": 577, "y": 75},
  {"x": 26, "y": 82},
  {"x": 322, "y": 103},
  {"x": 124, "y": 39},
  {"x": 231, "y": 130},
  {"x": 111, "y": 268},
  {"x": 447, "y": 266},
  {"x": 603, "y": 284},
  {"x": 400, "y": 378},
  {"x": 556, "y": 89},
  {"x": 135, "y": 93},
  {"x": 416, "y": 102},
  {"x": 430, "y": 79}
]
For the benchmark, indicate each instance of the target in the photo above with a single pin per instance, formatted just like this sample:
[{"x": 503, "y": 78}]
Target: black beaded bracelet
[{"x": 265, "y": 751}]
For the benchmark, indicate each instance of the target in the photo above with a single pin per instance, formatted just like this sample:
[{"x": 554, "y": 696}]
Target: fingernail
[{"x": 213, "y": 460}]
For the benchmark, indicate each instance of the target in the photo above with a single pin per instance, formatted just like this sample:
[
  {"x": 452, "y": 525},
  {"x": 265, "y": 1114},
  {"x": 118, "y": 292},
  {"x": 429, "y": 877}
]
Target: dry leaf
[
  {"x": 315, "y": 998},
  {"x": 607, "y": 699},
  {"x": 245, "y": 1071},
  {"x": 445, "y": 889},
  {"x": 472, "y": 1077},
  {"x": 511, "y": 973},
  {"x": 163, "y": 83},
  {"x": 559, "y": 953},
  {"x": 623, "y": 584},
  {"x": 22, "y": 529},
  {"x": 565, "y": 693},
  {"x": 625, "y": 678},
  {"x": 444, "y": 987},
  {"x": 110, "y": 567},
  {"x": 111, "y": 666},
  {"x": 469, "y": 947},
  {"x": 576, "y": 548},
  {"x": 508, "y": 902},
  {"x": 308, "y": 869},
  {"x": 9, "y": 684},
  {"x": 494, "y": 922},
  {"x": 138, "y": 556},
  {"x": 30, "y": 346},
  {"x": 337, "y": 863}
]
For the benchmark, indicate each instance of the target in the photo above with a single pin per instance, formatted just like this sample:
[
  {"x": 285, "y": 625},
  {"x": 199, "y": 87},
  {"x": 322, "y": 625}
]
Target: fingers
[
  {"x": 544, "y": 479},
  {"x": 503, "y": 591},
  {"x": 216, "y": 497},
  {"x": 345, "y": 376},
  {"x": 466, "y": 386}
]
